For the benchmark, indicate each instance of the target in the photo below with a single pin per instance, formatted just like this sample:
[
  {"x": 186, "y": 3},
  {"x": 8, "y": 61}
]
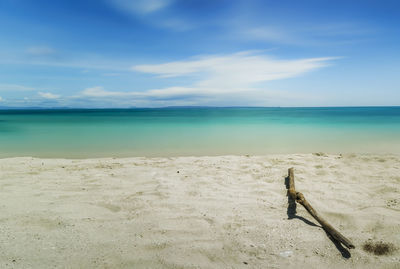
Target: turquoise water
[{"x": 83, "y": 133}]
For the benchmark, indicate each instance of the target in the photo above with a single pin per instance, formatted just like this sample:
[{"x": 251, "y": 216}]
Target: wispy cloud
[
  {"x": 238, "y": 77},
  {"x": 181, "y": 96},
  {"x": 238, "y": 69},
  {"x": 154, "y": 12},
  {"x": 302, "y": 34},
  {"x": 230, "y": 79},
  {"x": 48, "y": 95},
  {"x": 15, "y": 87},
  {"x": 140, "y": 6},
  {"x": 86, "y": 64},
  {"x": 269, "y": 34},
  {"x": 40, "y": 51},
  {"x": 99, "y": 91},
  {"x": 166, "y": 93}
]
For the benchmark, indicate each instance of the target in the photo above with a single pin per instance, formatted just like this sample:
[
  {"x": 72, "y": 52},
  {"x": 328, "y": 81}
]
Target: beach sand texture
[{"x": 196, "y": 212}]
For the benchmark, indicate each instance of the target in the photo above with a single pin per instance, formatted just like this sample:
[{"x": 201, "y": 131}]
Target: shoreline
[
  {"x": 278, "y": 155},
  {"x": 197, "y": 212}
]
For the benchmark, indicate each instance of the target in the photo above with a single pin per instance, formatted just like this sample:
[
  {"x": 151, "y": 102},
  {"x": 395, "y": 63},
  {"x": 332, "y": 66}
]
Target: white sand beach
[{"x": 196, "y": 212}]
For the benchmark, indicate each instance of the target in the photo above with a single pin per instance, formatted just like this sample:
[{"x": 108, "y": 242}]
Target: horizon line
[{"x": 167, "y": 107}]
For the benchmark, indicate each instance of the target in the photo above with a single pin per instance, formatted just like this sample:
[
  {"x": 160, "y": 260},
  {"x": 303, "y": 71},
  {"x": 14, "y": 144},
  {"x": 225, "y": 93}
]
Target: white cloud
[
  {"x": 140, "y": 6},
  {"x": 240, "y": 68},
  {"x": 48, "y": 95},
  {"x": 238, "y": 78},
  {"x": 99, "y": 92},
  {"x": 1, "y": 98},
  {"x": 270, "y": 34},
  {"x": 40, "y": 51},
  {"x": 181, "y": 96}
]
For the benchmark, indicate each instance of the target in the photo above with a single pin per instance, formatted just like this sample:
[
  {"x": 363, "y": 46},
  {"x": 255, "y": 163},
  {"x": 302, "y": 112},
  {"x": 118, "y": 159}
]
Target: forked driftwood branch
[{"x": 299, "y": 197}]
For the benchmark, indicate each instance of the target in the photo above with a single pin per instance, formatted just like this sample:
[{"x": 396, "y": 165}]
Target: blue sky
[{"x": 154, "y": 53}]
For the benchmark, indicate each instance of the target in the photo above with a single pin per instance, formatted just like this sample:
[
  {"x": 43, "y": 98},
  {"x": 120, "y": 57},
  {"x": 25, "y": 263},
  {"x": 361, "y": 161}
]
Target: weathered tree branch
[
  {"x": 291, "y": 190},
  {"x": 299, "y": 197}
]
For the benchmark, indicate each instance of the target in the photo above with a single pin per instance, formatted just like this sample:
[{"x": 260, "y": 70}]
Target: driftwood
[{"x": 299, "y": 197}]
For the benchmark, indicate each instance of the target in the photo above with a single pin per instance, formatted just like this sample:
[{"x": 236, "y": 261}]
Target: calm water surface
[{"x": 83, "y": 133}]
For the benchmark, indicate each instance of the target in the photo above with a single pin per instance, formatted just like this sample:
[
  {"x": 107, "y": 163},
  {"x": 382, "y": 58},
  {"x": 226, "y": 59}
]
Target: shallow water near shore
[{"x": 83, "y": 133}]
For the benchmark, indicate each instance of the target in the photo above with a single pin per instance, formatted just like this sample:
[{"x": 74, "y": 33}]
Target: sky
[{"x": 157, "y": 53}]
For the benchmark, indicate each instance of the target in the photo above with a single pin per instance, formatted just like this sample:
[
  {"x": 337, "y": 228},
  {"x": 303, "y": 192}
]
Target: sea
[{"x": 197, "y": 131}]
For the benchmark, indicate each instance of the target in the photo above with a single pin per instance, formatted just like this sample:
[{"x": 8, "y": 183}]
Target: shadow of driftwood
[
  {"x": 291, "y": 212},
  {"x": 345, "y": 253}
]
